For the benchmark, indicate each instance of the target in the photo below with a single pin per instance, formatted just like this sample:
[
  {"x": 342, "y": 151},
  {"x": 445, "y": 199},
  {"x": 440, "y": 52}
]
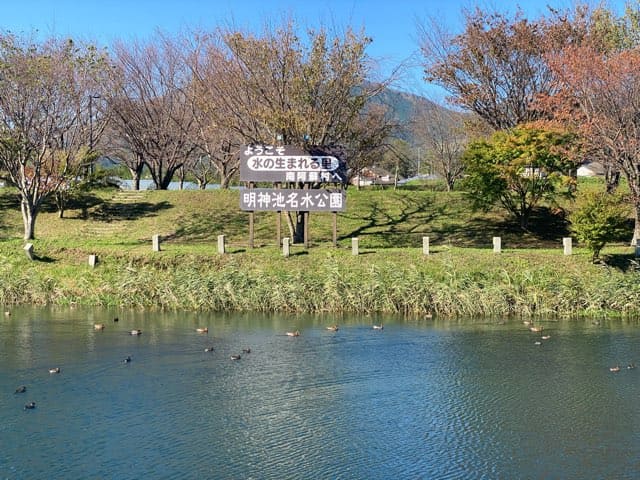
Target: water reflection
[{"x": 421, "y": 399}]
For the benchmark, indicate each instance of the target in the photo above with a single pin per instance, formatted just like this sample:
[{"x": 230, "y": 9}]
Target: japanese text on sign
[
  {"x": 312, "y": 200},
  {"x": 290, "y": 164}
]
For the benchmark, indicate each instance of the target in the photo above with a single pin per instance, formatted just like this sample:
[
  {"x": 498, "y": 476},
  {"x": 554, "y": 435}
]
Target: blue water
[{"x": 420, "y": 399}]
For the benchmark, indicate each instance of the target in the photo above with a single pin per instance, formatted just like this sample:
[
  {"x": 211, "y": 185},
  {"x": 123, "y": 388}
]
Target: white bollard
[
  {"x": 567, "y": 244},
  {"x": 497, "y": 244},
  {"x": 425, "y": 245},
  {"x": 93, "y": 261},
  {"x": 221, "y": 245},
  {"x": 286, "y": 251},
  {"x": 156, "y": 242},
  {"x": 355, "y": 250}
]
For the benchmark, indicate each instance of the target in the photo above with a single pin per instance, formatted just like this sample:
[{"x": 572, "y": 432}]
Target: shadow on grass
[
  {"x": 79, "y": 201},
  {"x": 623, "y": 262},
  {"x": 9, "y": 200},
  {"x": 396, "y": 229},
  {"x": 202, "y": 227},
  {"x": 117, "y": 211},
  {"x": 444, "y": 224},
  {"x": 298, "y": 254},
  {"x": 43, "y": 259}
]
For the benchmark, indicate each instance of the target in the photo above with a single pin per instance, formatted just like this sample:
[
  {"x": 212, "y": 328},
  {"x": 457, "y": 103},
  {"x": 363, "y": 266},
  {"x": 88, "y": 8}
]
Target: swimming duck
[
  {"x": 127, "y": 359},
  {"x": 116, "y": 319},
  {"x": 7, "y": 313},
  {"x": 202, "y": 330},
  {"x": 378, "y": 327},
  {"x": 98, "y": 326},
  {"x": 208, "y": 349},
  {"x": 536, "y": 329},
  {"x": 293, "y": 334},
  {"x": 246, "y": 350},
  {"x": 136, "y": 332},
  {"x": 615, "y": 369},
  {"x": 631, "y": 366},
  {"x": 235, "y": 357},
  {"x": 333, "y": 328},
  {"x": 21, "y": 389},
  {"x": 55, "y": 370},
  {"x": 30, "y": 406}
]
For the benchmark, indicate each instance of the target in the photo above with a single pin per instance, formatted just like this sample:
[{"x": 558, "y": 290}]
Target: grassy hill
[
  {"x": 380, "y": 218},
  {"x": 461, "y": 277}
]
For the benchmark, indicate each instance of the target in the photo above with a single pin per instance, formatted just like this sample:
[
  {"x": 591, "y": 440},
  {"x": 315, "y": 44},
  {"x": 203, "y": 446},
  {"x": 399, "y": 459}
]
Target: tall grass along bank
[{"x": 449, "y": 283}]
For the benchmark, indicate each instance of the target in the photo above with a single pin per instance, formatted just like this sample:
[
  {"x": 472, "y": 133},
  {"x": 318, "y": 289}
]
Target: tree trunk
[
  {"x": 29, "y": 219},
  {"x": 636, "y": 227},
  {"x": 298, "y": 234},
  {"x": 135, "y": 176},
  {"x": 225, "y": 180},
  {"x": 162, "y": 181},
  {"x": 612, "y": 178},
  {"x": 450, "y": 182}
]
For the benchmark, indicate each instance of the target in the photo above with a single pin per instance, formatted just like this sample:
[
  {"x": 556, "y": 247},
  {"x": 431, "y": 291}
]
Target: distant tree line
[{"x": 180, "y": 105}]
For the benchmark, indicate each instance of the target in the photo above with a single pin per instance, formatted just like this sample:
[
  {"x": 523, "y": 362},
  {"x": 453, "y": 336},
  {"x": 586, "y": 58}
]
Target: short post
[
  {"x": 28, "y": 249},
  {"x": 93, "y": 261},
  {"x": 221, "y": 245},
  {"x": 637, "y": 249},
  {"x": 425, "y": 245},
  {"x": 497, "y": 244},
  {"x": 567, "y": 244},
  {"x": 355, "y": 246},
  {"x": 285, "y": 247},
  {"x": 156, "y": 242}
]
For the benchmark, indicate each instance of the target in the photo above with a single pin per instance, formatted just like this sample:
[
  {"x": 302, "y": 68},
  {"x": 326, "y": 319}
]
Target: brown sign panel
[
  {"x": 289, "y": 163},
  {"x": 292, "y": 200}
]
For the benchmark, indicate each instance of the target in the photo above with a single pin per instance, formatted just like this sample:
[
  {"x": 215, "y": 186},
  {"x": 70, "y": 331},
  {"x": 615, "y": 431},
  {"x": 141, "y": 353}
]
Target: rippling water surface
[{"x": 420, "y": 399}]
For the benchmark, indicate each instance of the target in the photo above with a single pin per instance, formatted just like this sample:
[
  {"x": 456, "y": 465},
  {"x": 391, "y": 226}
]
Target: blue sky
[{"x": 391, "y": 23}]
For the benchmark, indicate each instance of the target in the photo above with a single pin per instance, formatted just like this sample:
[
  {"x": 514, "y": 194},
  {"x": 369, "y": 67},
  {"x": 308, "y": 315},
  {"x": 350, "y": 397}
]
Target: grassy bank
[{"x": 461, "y": 277}]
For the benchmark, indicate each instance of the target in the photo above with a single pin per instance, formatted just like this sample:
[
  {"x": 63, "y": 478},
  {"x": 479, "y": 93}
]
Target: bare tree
[
  {"x": 215, "y": 99},
  {"x": 442, "y": 137},
  {"x": 45, "y": 119},
  {"x": 496, "y": 67},
  {"x": 148, "y": 107}
]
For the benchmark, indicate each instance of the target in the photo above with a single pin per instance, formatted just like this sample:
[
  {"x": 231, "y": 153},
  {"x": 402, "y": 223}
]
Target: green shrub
[{"x": 599, "y": 218}]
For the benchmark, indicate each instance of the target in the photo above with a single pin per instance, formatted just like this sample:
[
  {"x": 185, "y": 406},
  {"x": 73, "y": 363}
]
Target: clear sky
[{"x": 390, "y": 23}]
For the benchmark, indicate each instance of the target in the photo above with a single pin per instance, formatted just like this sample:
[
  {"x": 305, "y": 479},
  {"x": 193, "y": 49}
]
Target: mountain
[{"x": 408, "y": 108}]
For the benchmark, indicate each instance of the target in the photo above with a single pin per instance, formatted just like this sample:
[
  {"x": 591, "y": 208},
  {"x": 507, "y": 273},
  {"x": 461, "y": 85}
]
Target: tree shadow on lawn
[
  {"x": 78, "y": 202},
  {"x": 9, "y": 200},
  {"x": 417, "y": 219},
  {"x": 117, "y": 211},
  {"x": 401, "y": 229},
  {"x": 203, "y": 227},
  {"x": 624, "y": 262}
]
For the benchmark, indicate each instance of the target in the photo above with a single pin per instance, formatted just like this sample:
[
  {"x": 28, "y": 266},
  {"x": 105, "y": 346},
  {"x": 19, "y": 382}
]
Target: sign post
[{"x": 303, "y": 167}]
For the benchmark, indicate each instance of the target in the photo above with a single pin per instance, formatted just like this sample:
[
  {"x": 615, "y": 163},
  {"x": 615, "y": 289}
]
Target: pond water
[{"x": 419, "y": 399}]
